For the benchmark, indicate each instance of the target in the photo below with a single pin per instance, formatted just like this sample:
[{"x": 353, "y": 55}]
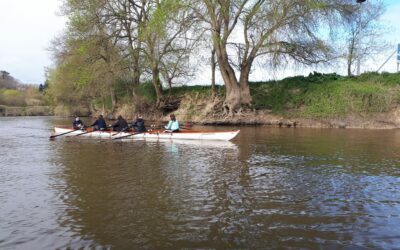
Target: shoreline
[
  {"x": 271, "y": 121},
  {"x": 203, "y": 116},
  {"x": 277, "y": 121},
  {"x": 9, "y": 111}
]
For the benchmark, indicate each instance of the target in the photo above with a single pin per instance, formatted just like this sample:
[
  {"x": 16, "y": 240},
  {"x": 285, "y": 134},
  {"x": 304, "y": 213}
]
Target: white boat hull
[{"x": 192, "y": 135}]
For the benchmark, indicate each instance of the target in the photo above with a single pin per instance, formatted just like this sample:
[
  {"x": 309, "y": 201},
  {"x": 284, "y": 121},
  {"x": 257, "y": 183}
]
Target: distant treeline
[{"x": 16, "y": 94}]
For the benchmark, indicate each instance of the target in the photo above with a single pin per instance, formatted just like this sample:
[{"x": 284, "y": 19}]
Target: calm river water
[{"x": 284, "y": 188}]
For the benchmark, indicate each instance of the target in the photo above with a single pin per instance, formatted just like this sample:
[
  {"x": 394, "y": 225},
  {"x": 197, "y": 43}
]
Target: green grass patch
[
  {"x": 147, "y": 91},
  {"x": 328, "y": 95}
]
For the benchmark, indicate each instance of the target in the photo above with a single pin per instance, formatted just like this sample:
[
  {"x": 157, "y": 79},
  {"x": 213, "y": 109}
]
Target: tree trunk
[
  {"x": 136, "y": 73},
  {"x": 170, "y": 86},
  {"x": 157, "y": 84},
  {"x": 213, "y": 66},
  {"x": 232, "y": 100},
  {"x": 245, "y": 97},
  {"x": 350, "y": 56},
  {"x": 348, "y": 69},
  {"x": 113, "y": 98},
  {"x": 237, "y": 93}
]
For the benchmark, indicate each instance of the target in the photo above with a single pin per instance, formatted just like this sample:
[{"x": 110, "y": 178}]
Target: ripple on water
[{"x": 276, "y": 189}]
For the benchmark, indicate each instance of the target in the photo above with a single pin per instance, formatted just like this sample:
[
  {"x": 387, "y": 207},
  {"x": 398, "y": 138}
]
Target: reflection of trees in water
[
  {"x": 272, "y": 187},
  {"x": 375, "y": 151},
  {"x": 116, "y": 191},
  {"x": 140, "y": 194},
  {"x": 312, "y": 183}
]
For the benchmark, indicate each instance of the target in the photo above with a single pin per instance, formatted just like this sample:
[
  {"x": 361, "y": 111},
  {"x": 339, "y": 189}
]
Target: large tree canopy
[
  {"x": 274, "y": 30},
  {"x": 151, "y": 39}
]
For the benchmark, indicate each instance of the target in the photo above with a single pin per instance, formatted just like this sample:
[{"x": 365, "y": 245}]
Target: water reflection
[
  {"x": 142, "y": 190},
  {"x": 269, "y": 188},
  {"x": 276, "y": 186}
]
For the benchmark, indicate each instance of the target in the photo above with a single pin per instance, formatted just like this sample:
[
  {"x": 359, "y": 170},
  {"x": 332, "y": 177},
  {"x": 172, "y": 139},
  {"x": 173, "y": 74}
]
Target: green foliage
[
  {"x": 101, "y": 102},
  {"x": 123, "y": 91},
  {"x": 328, "y": 95},
  {"x": 21, "y": 97},
  {"x": 147, "y": 91},
  {"x": 385, "y": 78},
  {"x": 12, "y": 97},
  {"x": 205, "y": 90},
  {"x": 164, "y": 11}
]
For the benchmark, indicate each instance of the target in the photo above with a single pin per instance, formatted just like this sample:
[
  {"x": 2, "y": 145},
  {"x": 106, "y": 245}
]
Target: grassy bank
[
  {"x": 342, "y": 101},
  {"x": 329, "y": 95},
  {"x": 315, "y": 96}
]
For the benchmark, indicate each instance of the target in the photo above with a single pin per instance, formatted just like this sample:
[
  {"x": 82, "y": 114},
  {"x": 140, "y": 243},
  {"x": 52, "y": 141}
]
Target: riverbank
[
  {"x": 203, "y": 115},
  {"x": 370, "y": 100},
  {"x": 378, "y": 121},
  {"x": 26, "y": 111}
]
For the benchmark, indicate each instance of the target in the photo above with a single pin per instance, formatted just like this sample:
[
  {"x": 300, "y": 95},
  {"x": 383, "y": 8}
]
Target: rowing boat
[{"x": 153, "y": 134}]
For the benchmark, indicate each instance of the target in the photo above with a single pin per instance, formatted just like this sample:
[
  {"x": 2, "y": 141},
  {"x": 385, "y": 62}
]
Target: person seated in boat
[
  {"x": 99, "y": 124},
  {"x": 138, "y": 124},
  {"x": 78, "y": 124},
  {"x": 173, "y": 125},
  {"x": 120, "y": 125}
]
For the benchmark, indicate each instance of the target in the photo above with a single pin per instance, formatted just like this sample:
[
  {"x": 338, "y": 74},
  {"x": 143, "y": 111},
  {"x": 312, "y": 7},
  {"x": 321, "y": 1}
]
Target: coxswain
[{"x": 173, "y": 124}]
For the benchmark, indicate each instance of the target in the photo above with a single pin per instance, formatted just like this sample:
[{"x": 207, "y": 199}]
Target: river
[{"x": 285, "y": 188}]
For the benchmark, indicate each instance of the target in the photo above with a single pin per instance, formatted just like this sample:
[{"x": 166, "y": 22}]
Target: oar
[
  {"x": 129, "y": 135},
  {"x": 53, "y": 136},
  {"x": 86, "y": 132},
  {"x": 123, "y": 130}
]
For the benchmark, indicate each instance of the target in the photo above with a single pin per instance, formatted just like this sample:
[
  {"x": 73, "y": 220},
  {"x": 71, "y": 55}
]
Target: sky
[{"x": 27, "y": 28}]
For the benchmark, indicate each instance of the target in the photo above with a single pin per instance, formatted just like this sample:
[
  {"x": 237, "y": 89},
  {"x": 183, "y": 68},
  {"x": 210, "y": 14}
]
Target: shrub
[{"x": 12, "y": 97}]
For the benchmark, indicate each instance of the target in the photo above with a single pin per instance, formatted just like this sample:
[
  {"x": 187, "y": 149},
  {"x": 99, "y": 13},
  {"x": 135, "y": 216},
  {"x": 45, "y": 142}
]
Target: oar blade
[{"x": 54, "y": 136}]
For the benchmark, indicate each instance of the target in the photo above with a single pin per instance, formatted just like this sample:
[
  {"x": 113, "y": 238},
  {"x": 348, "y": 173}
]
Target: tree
[
  {"x": 90, "y": 52},
  {"x": 363, "y": 34},
  {"x": 274, "y": 29},
  {"x": 166, "y": 36},
  {"x": 7, "y": 81},
  {"x": 126, "y": 19}
]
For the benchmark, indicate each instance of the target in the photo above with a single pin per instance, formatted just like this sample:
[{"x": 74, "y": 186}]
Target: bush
[
  {"x": 12, "y": 97},
  {"x": 147, "y": 91}
]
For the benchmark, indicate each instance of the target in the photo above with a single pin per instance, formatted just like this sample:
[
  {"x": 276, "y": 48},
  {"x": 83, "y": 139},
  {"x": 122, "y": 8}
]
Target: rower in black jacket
[
  {"x": 120, "y": 124},
  {"x": 138, "y": 125},
  {"x": 78, "y": 124},
  {"x": 99, "y": 124}
]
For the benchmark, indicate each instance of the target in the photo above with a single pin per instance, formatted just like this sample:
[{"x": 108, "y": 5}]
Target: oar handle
[
  {"x": 121, "y": 137},
  {"x": 123, "y": 130},
  {"x": 85, "y": 132}
]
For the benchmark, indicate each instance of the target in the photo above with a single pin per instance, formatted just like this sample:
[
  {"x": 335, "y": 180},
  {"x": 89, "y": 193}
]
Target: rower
[
  {"x": 138, "y": 124},
  {"x": 120, "y": 125},
  {"x": 78, "y": 124},
  {"x": 173, "y": 125},
  {"x": 99, "y": 124}
]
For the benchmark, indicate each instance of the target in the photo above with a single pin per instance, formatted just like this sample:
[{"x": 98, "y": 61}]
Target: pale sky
[{"x": 28, "y": 26}]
